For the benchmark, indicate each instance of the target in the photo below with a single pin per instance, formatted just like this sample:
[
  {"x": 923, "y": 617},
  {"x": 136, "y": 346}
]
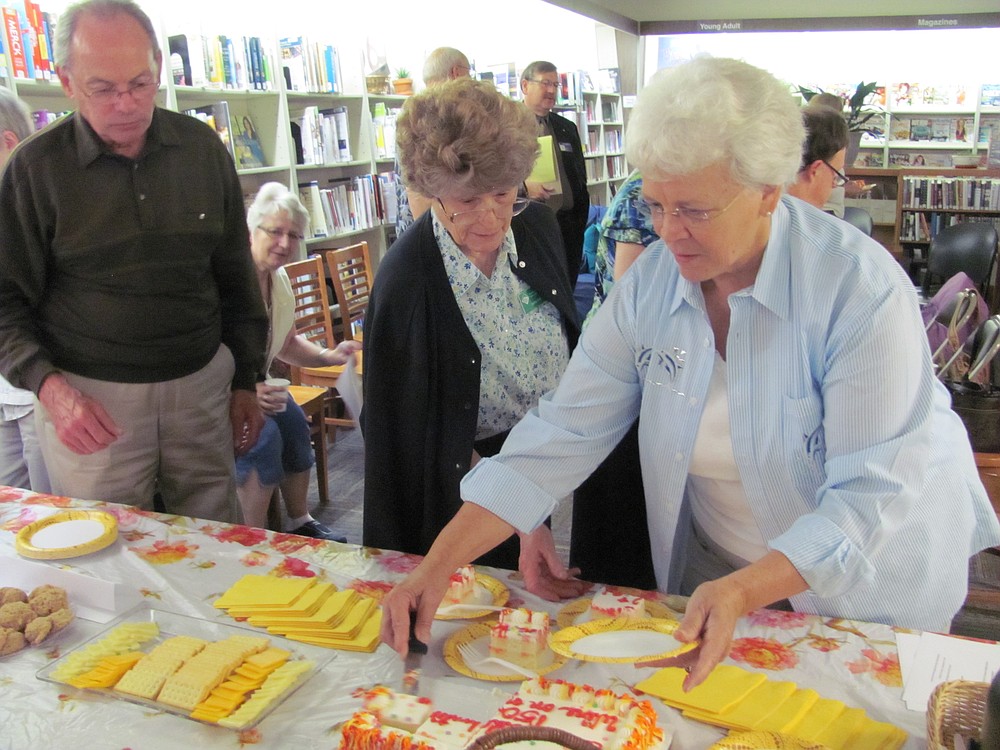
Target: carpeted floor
[{"x": 979, "y": 619}]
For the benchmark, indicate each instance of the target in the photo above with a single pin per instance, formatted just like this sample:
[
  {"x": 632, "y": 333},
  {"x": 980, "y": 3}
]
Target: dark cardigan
[{"x": 421, "y": 382}]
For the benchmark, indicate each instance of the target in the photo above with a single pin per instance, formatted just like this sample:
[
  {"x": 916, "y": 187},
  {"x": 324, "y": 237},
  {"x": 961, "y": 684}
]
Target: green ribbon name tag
[{"x": 530, "y": 300}]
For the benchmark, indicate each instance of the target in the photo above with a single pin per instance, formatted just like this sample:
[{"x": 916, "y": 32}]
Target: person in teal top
[{"x": 626, "y": 230}]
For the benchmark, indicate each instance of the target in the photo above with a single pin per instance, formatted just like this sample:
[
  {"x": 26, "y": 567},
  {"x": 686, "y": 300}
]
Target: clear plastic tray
[{"x": 171, "y": 624}]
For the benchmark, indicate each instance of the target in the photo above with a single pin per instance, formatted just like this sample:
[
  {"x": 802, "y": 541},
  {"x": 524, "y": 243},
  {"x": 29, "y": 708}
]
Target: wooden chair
[
  {"x": 350, "y": 272},
  {"x": 313, "y": 320}
]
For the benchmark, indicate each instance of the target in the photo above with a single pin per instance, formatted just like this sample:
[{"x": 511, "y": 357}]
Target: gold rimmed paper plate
[
  {"x": 619, "y": 640},
  {"x": 489, "y": 592},
  {"x": 577, "y": 612},
  {"x": 480, "y": 631},
  {"x": 70, "y": 533}
]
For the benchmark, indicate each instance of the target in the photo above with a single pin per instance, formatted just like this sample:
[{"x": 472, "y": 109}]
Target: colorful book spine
[{"x": 15, "y": 43}]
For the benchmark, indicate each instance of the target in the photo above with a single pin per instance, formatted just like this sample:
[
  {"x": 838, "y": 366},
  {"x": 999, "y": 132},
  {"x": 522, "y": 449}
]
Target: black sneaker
[{"x": 316, "y": 530}]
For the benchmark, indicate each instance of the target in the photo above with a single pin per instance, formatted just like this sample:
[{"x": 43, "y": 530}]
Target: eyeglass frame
[
  {"x": 657, "y": 213},
  {"x": 518, "y": 206},
  {"x": 276, "y": 234},
  {"x": 110, "y": 95},
  {"x": 553, "y": 85},
  {"x": 842, "y": 179}
]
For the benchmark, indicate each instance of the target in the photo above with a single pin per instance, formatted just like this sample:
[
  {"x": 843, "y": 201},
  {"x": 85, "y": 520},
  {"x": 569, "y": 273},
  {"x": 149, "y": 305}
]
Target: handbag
[{"x": 975, "y": 396}]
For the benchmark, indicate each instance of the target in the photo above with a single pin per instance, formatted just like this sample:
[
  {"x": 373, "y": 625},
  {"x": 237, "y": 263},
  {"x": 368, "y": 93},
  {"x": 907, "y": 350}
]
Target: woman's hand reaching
[{"x": 545, "y": 574}]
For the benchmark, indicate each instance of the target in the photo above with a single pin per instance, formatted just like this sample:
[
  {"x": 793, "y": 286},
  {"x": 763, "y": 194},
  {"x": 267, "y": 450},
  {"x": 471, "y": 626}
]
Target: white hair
[
  {"x": 273, "y": 198},
  {"x": 713, "y": 110}
]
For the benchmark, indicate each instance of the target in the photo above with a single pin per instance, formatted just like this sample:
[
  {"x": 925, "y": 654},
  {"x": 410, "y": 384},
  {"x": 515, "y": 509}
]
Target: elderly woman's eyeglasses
[
  {"x": 840, "y": 179},
  {"x": 141, "y": 91},
  {"x": 277, "y": 234},
  {"x": 654, "y": 212},
  {"x": 469, "y": 217}
]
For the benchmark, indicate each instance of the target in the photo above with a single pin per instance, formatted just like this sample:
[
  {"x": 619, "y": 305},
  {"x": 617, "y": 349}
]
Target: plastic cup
[{"x": 282, "y": 383}]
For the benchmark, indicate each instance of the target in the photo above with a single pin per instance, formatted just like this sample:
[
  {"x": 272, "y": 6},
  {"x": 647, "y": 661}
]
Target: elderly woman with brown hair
[{"x": 471, "y": 316}]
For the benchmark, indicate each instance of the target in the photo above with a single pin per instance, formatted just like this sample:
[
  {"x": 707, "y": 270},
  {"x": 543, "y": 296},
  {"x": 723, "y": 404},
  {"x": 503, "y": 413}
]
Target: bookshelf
[
  {"x": 926, "y": 125},
  {"x": 923, "y": 201},
  {"x": 270, "y": 111},
  {"x": 599, "y": 119}
]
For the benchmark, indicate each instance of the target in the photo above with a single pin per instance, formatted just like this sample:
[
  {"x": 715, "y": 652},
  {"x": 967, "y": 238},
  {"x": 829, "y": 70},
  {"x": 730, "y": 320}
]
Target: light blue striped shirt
[{"x": 853, "y": 463}]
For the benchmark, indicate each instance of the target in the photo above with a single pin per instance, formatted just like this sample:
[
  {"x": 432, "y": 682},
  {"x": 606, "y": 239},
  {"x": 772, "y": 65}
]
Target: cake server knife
[{"x": 414, "y": 659}]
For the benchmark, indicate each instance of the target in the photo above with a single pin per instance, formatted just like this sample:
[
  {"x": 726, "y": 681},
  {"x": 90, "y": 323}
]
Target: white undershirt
[{"x": 714, "y": 487}]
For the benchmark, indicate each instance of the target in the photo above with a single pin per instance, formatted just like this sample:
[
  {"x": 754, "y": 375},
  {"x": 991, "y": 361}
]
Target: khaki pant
[{"x": 177, "y": 440}]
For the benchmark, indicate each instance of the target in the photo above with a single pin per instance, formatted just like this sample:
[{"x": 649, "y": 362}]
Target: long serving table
[{"x": 183, "y": 564}]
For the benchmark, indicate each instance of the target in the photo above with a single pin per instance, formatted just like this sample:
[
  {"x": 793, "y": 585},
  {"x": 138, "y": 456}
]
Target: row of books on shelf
[
  {"x": 595, "y": 170},
  {"x": 955, "y": 193},
  {"x": 922, "y": 226},
  {"x": 612, "y": 141},
  {"x": 934, "y": 129},
  {"x": 384, "y": 131},
  {"x": 350, "y": 204},
  {"x": 27, "y": 37},
  {"x": 221, "y": 62},
  {"x": 914, "y": 95},
  {"x": 617, "y": 168},
  {"x": 574, "y": 84},
  {"x": 239, "y": 134},
  {"x": 324, "y": 136},
  {"x": 247, "y": 62},
  {"x": 310, "y": 66}
]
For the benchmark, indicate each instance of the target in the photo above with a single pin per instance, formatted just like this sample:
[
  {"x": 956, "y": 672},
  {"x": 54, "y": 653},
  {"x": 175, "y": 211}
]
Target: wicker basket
[
  {"x": 491, "y": 740},
  {"x": 955, "y": 707}
]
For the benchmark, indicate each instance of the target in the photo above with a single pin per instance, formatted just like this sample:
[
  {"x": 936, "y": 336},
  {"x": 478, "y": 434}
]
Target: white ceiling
[{"x": 628, "y": 15}]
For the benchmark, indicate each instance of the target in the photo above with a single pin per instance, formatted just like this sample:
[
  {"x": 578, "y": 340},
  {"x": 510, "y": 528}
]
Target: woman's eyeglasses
[
  {"x": 277, "y": 234},
  {"x": 654, "y": 212},
  {"x": 500, "y": 207}
]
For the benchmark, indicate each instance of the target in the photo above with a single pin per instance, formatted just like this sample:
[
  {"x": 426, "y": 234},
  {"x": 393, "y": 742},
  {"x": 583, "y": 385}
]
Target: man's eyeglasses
[
  {"x": 277, "y": 234},
  {"x": 552, "y": 85},
  {"x": 654, "y": 212},
  {"x": 841, "y": 179},
  {"x": 140, "y": 92},
  {"x": 472, "y": 215}
]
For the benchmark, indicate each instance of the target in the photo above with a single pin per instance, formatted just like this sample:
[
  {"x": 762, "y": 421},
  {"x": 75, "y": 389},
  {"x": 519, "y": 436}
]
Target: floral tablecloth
[{"x": 182, "y": 564}]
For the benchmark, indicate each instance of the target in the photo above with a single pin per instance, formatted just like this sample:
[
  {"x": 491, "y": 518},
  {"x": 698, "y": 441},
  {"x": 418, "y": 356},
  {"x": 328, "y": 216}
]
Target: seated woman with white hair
[
  {"x": 283, "y": 456},
  {"x": 795, "y": 444}
]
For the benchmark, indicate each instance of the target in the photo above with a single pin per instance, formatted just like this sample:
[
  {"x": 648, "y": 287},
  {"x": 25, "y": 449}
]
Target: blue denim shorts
[{"x": 283, "y": 446}]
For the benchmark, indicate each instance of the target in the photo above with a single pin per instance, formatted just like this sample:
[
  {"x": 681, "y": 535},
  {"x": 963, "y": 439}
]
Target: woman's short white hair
[
  {"x": 711, "y": 110},
  {"x": 274, "y": 198}
]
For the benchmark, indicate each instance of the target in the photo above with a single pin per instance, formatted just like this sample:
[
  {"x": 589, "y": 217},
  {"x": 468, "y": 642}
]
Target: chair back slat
[
  {"x": 312, "y": 302},
  {"x": 351, "y": 278}
]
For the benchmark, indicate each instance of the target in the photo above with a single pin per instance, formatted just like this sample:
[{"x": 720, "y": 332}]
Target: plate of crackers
[{"x": 211, "y": 672}]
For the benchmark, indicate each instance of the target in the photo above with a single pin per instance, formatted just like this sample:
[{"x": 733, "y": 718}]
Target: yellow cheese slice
[
  {"x": 264, "y": 592},
  {"x": 305, "y": 605},
  {"x": 366, "y": 641},
  {"x": 762, "y": 701},
  {"x": 837, "y": 735},
  {"x": 877, "y": 735},
  {"x": 790, "y": 712},
  {"x": 816, "y": 719},
  {"x": 724, "y": 687},
  {"x": 330, "y": 613},
  {"x": 346, "y": 630}
]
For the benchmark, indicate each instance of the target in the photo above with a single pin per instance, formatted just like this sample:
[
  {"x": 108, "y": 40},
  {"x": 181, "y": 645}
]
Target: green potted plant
[
  {"x": 402, "y": 84},
  {"x": 859, "y": 110}
]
